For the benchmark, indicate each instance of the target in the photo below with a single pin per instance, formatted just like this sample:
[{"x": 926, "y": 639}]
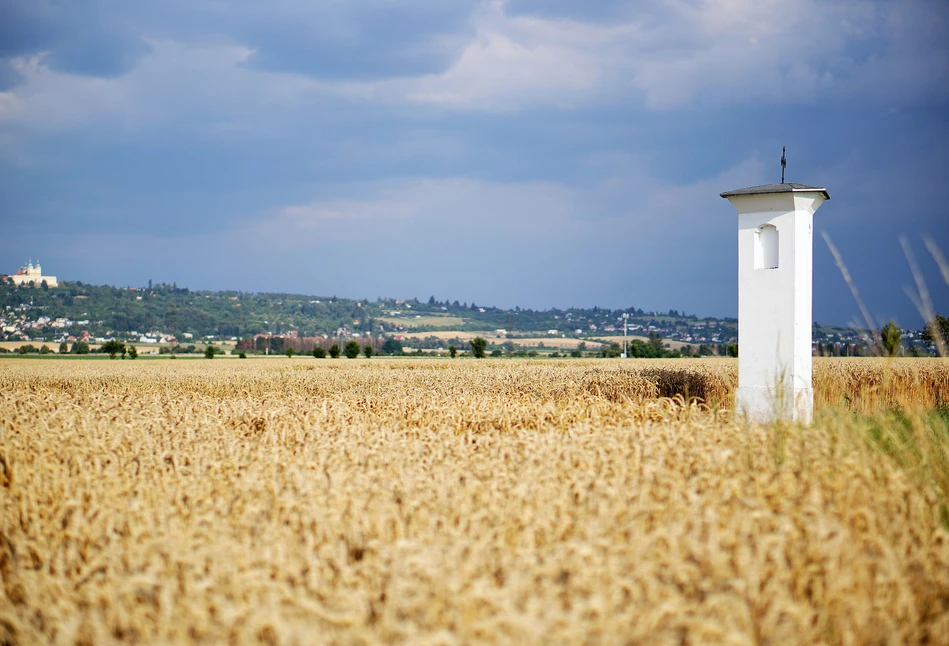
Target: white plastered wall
[{"x": 774, "y": 306}]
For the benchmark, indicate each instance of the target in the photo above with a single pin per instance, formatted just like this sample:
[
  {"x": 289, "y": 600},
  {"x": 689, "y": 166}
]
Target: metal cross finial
[{"x": 784, "y": 161}]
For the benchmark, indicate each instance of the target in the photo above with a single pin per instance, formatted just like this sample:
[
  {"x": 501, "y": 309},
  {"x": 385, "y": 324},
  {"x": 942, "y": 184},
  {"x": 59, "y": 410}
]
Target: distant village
[
  {"x": 27, "y": 323},
  {"x": 397, "y": 320}
]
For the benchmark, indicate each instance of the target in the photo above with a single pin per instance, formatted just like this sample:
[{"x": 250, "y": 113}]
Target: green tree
[
  {"x": 79, "y": 347},
  {"x": 937, "y": 331},
  {"x": 351, "y": 349},
  {"x": 319, "y": 353},
  {"x": 241, "y": 355},
  {"x": 392, "y": 346},
  {"x": 133, "y": 352},
  {"x": 209, "y": 352},
  {"x": 112, "y": 347},
  {"x": 367, "y": 350},
  {"x": 63, "y": 348},
  {"x": 289, "y": 352},
  {"x": 478, "y": 346},
  {"x": 891, "y": 335},
  {"x": 732, "y": 349},
  {"x": 334, "y": 351},
  {"x": 45, "y": 349},
  {"x": 655, "y": 341},
  {"x": 611, "y": 352},
  {"x": 452, "y": 351},
  {"x": 638, "y": 348},
  {"x": 277, "y": 345}
]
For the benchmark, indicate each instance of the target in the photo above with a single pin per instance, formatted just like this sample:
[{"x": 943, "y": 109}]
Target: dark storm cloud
[
  {"x": 521, "y": 153},
  {"x": 327, "y": 40},
  {"x": 359, "y": 41},
  {"x": 82, "y": 38}
]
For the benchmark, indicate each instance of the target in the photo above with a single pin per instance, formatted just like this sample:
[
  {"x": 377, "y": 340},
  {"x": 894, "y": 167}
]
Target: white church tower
[{"x": 775, "y": 284}]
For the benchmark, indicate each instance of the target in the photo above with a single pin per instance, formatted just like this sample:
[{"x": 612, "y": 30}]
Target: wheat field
[{"x": 464, "y": 502}]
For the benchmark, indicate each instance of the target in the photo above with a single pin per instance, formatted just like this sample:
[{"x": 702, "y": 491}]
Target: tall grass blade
[{"x": 842, "y": 266}]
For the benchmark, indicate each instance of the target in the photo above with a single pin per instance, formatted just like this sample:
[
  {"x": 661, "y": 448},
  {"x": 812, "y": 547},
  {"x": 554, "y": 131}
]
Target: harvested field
[
  {"x": 618, "y": 338},
  {"x": 410, "y": 321},
  {"x": 550, "y": 342},
  {"x": 436, "y": 501},
  {"x": 450, "y": 334}
]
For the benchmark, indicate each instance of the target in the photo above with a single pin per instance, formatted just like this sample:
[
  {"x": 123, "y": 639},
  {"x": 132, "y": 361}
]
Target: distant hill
[
  {"x": 106, "y": 310},
  {"x": 126, "y": 312}
]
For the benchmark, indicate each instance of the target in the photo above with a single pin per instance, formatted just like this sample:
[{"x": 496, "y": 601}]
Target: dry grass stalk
[{"x": 874, "y": 333}]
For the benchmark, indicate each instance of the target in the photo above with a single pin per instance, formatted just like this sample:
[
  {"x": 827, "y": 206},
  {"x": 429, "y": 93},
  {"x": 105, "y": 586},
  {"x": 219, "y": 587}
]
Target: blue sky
[{"x": 541, "y": 154}]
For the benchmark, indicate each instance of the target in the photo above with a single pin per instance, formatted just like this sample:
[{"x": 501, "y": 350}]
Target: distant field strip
[
  {"x": 295, "y": 501},
  {"x": 673, "y": 345},
  {"x": 492, "y": 337},
  {"x": 410, "y": 321}
]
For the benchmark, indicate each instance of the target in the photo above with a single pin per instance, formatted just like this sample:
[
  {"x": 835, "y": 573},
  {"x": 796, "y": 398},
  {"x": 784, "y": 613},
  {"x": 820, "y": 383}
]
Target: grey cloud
[
  {"x": 420, "y": 161},
  {"x": 80, "y": 38},
  {"x": 662, "y": 55},
  {"x": 326, "y": 40}
]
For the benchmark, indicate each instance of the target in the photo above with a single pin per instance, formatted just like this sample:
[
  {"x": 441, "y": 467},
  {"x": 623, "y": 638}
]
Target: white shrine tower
[{"x": 775, "y": 284}]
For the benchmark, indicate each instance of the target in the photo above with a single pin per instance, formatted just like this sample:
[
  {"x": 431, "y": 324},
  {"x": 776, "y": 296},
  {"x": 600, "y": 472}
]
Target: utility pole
[
  {"x": 509, "y": 346},
  {"x": 625, "y": 326},
  {"x": 171, "y": 325}
]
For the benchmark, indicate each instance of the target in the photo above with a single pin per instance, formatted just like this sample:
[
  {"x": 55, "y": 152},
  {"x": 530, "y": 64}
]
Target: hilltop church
[{"x": 30, "y": 274}]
